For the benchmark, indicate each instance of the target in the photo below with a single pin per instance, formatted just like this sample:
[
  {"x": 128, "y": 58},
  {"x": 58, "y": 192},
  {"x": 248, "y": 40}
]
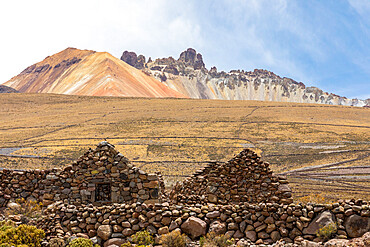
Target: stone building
[
  {"x": 245, "y": 178},
  {"x": 100, "y": 176}
]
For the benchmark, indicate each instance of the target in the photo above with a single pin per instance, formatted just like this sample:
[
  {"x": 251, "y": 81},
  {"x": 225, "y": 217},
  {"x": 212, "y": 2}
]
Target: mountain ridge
[
  {"x": 189, "y": 76},
  {"x": 85, "y": 72}
]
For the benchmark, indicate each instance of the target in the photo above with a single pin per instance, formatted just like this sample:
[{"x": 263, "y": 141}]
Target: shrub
[
  {"x": 6, "y": 224},
  {"x": 142, "y": 238},
  {"x": 57, "y": 242},
  {"x": 22, "y": 235},
  {"x": 127, "y": 244},
  {"x": 316, "y": 198},
  {"x": 80, "y": 242},
  {"x": 28, "y": 209},
  {"x": 327, "y": 232},
  {"x": 8, "y": 245},
  {"x": 174, "y": 239},
  {"x": 213, "y": 240}
]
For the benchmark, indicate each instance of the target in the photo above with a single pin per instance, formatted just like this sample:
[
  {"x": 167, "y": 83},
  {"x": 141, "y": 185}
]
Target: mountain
[
  {"x": 189, "y": 76},
  {"x": 5, "y": 89},
  {"x": 85, "y": 72}
]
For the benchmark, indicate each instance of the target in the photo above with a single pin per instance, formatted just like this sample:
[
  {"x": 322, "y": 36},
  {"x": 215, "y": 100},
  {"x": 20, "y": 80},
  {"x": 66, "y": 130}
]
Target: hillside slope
[
  {"x": 189, "y": 76},
  {"x": 5, "y": 89},
  {"x": 324, "y": 150},
  {"x": 83, "y": 72}
]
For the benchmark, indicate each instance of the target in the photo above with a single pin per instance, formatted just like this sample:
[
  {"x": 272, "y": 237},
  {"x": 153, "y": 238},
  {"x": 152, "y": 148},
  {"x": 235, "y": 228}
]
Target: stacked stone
[
  {"x": 100, "y": 176},
  {"x": 245, "y": 178},
  {"x": 261, "y": 223},
  {"x": 21, "y": 184},
  {"x": 79, "y": 182}
]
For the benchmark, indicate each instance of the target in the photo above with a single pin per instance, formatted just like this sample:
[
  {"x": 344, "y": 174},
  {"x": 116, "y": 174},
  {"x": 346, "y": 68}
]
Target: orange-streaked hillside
[{"x": 84, "y": 72}]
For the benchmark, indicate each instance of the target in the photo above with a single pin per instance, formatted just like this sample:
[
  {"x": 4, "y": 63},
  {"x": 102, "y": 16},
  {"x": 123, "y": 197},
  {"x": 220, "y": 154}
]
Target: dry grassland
[{"x": 178, "y": 136}]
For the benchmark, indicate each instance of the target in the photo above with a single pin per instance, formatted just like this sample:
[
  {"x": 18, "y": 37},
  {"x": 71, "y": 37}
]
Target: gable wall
[
  {"x": 79, "y": 182},
  {"x": 245, "y": 178}
]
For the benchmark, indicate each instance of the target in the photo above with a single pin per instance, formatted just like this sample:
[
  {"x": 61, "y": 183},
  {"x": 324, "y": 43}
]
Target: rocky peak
[
  {"x": 191, "y": 58},
  {"x": 166, "y": 61},
  {"x": 213, "y": 71},
  {"x": 188, "y": 74},
  {"x": 132, "y": 59}
]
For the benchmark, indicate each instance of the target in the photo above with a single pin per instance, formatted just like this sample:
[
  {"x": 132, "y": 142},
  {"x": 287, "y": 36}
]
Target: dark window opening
[{"x": 103, "y": 193}]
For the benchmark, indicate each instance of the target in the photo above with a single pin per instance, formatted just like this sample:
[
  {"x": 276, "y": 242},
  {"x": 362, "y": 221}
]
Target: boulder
[
  {"x": 213, "y": 214},
  {"x": 104, "y": 232},
  {"x": 163, "y": 230},
  {"x": 320, "y": 221},
  {"x": 275, "y": 236},
  {"x": 251, "y": 235},
  {"x": 114, "y": 241},
  {"x": 13, "y": 206},
  {"x": 307, "y": 243},
  {"x": 217, "y": 227},
  {"x": 243, "y": 243},
  {"x": 238, "y": 234},
  {"x": 194, "y": 227},
  {"x": 356, "y": 225},
  {"x": 337, "y": 243},
  {"x": 127, "y": 232}
]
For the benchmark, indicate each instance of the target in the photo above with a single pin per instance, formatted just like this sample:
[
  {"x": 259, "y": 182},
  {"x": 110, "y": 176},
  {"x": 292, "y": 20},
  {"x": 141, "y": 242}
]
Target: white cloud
[
  {"x": 32, "y": 30},
  {"x": 278, "y": 35}
]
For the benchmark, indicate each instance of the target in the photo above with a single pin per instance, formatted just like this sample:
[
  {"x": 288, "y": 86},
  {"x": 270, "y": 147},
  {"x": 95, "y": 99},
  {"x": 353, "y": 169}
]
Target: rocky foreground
[{"x": 101, "y": 196}]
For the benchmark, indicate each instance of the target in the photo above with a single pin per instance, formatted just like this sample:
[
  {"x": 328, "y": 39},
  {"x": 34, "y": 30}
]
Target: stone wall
[
  {"x": 262, "y": 222},
  {"x": 100, "y": 176},
  {"x": 245, "y": 178}
]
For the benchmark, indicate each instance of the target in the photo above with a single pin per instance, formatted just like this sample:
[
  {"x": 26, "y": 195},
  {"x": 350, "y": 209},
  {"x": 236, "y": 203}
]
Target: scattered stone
[
  {"x": 114, "y": 241},
  {"x": 104, "y": 232},
  {"x": 323, "y": 219},
  {"x": 194, "y": 227},
  {"x": 356, "y": 225}
]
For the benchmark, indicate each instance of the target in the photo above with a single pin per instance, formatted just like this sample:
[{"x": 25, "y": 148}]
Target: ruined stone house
[{"x": 100, "y": 176}]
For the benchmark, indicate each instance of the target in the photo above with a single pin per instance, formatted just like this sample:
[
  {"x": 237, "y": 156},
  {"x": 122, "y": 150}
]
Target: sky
[{"x": 320, "y": 43}]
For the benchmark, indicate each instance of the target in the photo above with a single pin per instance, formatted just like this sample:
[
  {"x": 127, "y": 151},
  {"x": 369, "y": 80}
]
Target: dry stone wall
[
  {"x": 245, "y": 178},
  {"x": 100, "y": 176},
  {"x": 263, "y": 222},
  {"x": 102, "y": 196}
]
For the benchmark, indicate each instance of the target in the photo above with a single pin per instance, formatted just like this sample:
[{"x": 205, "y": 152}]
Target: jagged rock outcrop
[
  {"x": 132, "y": 59},
  {"x": 191, "y": 58},
  {"x": 5, "y": 89},
  {"x": 189, "y": 76}
]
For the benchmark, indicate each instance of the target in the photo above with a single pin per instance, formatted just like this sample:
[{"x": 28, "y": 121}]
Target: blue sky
[{"x": 321, "y": 43}]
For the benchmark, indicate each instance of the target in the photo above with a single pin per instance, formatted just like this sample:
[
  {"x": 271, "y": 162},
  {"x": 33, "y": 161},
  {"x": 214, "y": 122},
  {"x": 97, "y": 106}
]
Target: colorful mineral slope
[{"x": 85, "y": 72}]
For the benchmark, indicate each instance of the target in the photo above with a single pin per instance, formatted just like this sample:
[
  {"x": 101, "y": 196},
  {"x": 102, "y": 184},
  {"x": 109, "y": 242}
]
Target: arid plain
[{"x": 324, "y": 150}]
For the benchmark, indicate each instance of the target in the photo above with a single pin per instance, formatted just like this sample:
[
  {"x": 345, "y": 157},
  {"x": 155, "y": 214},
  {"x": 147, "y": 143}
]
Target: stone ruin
[
  {"x": 245, "y": 178},
  {"x": 104, "y": 176},
  {"x": 100, "y": 176},
  {"x": 103, "y": 197}
]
